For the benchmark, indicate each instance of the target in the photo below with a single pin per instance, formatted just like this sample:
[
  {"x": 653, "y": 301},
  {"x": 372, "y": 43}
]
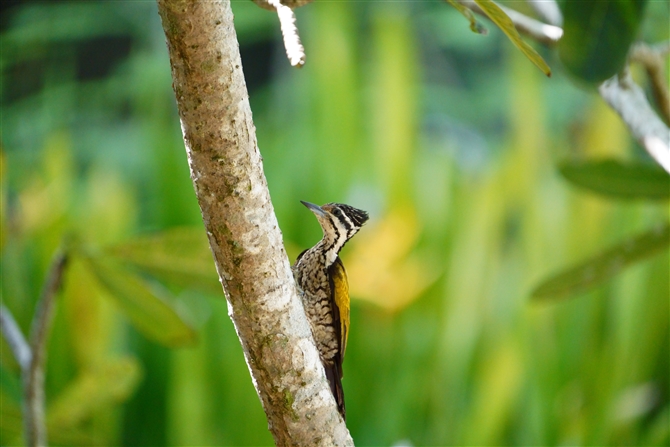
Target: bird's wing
[{"x": 340, "y": 298}]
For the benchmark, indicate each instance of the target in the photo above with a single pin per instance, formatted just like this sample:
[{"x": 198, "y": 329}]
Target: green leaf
[
  {"x": 179, "y": 256},
  {"x": 94, "y": 391},
  {"x": 597, "y": 36},
  {"x": 605, "y": 265},
  {"x": 141, "y": 303},
  {"x": 110, "y": 384},
  {"x": 475, "y": 26},
  {"x": 501, "y": 19},
  {"x": 619, "y": 180}
]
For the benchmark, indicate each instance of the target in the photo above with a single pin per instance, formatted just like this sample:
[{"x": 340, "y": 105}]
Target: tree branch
[
  {"x": 227, "y": 173},
  {"x": 548, "y": 11},
  {"x": 289, "y": 30},
  {"x": 652, "y": 60},
  {"x": 294, "y": 49},
  {"x": 629, "y": 101},
  {"x": 621, "y": 93}
]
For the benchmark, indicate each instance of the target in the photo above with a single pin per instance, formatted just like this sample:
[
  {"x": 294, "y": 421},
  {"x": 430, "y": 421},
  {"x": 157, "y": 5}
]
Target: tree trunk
[{"x": 227, "y": 173}]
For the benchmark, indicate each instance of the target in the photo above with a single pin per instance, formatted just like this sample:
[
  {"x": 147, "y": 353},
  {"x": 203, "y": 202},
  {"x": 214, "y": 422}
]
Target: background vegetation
[{"x": 449, "y": 139}]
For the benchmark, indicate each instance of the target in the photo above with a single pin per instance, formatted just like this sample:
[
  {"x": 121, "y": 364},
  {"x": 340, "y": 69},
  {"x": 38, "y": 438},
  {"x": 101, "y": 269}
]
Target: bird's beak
[{"x": 316, "y": 209}]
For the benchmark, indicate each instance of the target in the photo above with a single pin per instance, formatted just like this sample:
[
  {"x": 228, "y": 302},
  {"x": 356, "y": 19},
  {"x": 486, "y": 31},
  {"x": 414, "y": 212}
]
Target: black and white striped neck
[{"x": 339, "y": 223}]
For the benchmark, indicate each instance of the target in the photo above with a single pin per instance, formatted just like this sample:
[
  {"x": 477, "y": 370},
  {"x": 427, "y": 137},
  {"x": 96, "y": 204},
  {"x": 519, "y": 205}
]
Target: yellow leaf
[{"x": 382, "y": 268}]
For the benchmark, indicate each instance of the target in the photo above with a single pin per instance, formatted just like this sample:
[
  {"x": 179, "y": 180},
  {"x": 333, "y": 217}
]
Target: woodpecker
[{"x": 322, "y": 280}]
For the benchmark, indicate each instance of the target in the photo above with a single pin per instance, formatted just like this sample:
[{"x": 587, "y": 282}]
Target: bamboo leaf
[
  {"x": 619, "y": 180},
  {"x": 147, "y": 310},
  {"x": 501, "y": 19},
  {"x": 179, "y": 256},
  {"x": 604, "y": 266},
  {"x": 475, "y": 26}
]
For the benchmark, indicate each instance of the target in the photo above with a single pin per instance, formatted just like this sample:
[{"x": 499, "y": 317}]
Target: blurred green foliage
[
  {"x": 639, "y": 181},
  {"x": 598, "y": 35},
  {"x": 450, "y": 140}
]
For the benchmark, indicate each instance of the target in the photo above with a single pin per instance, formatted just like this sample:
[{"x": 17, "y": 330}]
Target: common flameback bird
[{"x": 325, "y": 290}]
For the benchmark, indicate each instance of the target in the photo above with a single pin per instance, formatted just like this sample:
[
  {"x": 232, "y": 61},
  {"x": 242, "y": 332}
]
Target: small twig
[
  {"x": 541, "y": 32},
  {"x": 294, "y": 49},
  {"x": 32, "y": 372},
  {"x": 15, "y": 339},
  {"x": 31, "y": 357},
  {"x": 629, "y": 101},
  {"x": 43, "y": 316},
  {"x": 651, "y": 57},
  {"x": 548, "y": 11}
]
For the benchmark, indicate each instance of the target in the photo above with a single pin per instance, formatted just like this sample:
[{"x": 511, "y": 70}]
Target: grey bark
[
  {"x": 630, "y": 102},
  {"x": 227, "y": 173}
]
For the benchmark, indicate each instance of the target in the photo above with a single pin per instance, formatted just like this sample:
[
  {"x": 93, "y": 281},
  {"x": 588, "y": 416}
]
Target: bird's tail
[{"x": 334, "y": 377}]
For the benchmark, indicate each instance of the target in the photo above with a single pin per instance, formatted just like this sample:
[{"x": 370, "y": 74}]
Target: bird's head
[{"x": 339, "y": 223}]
